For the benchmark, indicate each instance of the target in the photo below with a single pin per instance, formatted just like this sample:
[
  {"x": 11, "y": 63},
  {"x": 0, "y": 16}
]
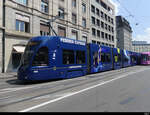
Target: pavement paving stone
[{"x": 8, "y": 75}]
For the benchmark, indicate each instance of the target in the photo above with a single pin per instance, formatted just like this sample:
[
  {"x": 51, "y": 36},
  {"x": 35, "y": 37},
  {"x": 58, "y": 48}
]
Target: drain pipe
[{"x": 3, "y": 38}]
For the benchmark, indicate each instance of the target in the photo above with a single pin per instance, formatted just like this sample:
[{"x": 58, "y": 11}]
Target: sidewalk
[{"x": 8, "y": 75}]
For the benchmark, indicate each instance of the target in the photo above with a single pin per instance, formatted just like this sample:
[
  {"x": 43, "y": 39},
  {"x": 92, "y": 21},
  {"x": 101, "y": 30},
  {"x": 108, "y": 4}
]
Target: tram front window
[
  {"x": 144, "y": 57},
  {"x": 28, "y": 54},
  {"x": 41, "y": 57}
]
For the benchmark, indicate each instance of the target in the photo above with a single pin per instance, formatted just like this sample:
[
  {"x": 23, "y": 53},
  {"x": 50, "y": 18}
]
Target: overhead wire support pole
[{"x": 52, "y": 20}]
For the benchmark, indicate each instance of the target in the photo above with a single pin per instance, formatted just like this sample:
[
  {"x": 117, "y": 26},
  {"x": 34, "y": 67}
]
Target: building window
[
  {"x": 113, "y": 38},
  {"x": 112, "y": 21},
  {"x": 93, "y": 20},
  {"x": 23, "y": 2},
  {"x": 22, "y": 26},
  {"x": 74, "y": 3},
  {"x": 106, "y": 36},
  {"x": 22, "y": 23},
  {"x": 84, "y": 22},
  {"x": 97, "y": 11},
  {"x": 74, "y": 18},
  {"x": 112, "y": 30},
  {"x": 74, "y": 35},
  {"x": 44, "y": 30},
  {"x": 106, "y": 17},
  {"x": 44, "y": 6},
  {"x": 84, "y": 38},
  {"x": 93, "y": 31},
  {"x": 98, "y": 22},
  {"x": 61, "y": 31},
  {"x": 98, "y": 33},
  {"x": 83, "y": 8},
  {"x": 93, "y": 9},
  {"x": 106, "y": 26},
  {"x": 102, "y": 25},
  {"x": 103, "y": 5},
  {"x": 61, "y": 13},
  {"x": 109, "y": 37},
  {"x": 102, "y": 14},
  {"x": 102, "y": 34}
]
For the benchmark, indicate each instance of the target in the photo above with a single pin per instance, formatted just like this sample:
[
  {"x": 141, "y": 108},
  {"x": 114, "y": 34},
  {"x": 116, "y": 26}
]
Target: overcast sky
[{"x": 137, "y": 12}]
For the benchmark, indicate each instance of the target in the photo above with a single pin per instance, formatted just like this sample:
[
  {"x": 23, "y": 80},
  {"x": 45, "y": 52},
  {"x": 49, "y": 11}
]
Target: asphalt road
[{"x": 124, "y": 90}]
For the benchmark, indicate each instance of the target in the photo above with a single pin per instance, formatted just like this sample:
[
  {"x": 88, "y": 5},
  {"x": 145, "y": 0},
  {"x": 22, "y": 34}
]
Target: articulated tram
[{"x": 54, "y": 57}]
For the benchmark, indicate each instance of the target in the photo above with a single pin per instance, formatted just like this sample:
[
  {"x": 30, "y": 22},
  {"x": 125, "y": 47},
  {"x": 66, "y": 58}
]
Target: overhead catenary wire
[{"x": 129, "y": 13}]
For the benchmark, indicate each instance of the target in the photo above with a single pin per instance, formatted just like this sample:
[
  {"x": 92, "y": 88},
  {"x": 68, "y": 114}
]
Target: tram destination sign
[{"x": 71, "y": 41}]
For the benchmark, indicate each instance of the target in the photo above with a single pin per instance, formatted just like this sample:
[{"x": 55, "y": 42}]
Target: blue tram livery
[
  {"x": 117, "y": 58},
  {"x": 100, "y": 58},
  {"x": 54, "y": 57},
  {"x": 48, "y": 58},
  {"x": 126, "y": 58}
]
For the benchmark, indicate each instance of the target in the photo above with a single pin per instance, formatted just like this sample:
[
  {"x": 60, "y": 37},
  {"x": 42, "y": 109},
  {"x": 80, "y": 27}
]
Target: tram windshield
[
  {"x": 29, "y": 51},
  {"x": 145, "y": 57}
]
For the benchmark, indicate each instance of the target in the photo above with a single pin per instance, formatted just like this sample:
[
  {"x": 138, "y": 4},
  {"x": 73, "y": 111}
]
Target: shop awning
[{"x": 19, "y": 49}]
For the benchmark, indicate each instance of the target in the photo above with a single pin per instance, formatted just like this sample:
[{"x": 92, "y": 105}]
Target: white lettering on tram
[{"x": 64, "y": 40}]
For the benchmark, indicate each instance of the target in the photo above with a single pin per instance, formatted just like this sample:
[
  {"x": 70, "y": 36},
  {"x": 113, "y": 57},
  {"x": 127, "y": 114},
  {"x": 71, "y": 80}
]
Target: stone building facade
[
  {"x": 140, "y": 46},
  {"x": 124, "y": 33},
  {"x": 102, "y": 23}
]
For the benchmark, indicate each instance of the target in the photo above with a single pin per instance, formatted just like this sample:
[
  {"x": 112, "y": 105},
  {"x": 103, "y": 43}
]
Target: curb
[{"x": 7, "y": 75}]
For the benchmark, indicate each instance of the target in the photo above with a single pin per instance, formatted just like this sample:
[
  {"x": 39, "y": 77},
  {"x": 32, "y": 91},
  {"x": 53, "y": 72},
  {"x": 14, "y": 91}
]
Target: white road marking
[{"x": 81, "y": 91}]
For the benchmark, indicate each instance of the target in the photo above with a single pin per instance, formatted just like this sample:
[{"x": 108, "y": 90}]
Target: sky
[{"x": 137, "y": 12}]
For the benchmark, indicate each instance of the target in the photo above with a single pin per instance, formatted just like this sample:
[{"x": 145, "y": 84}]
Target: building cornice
[{"x": 19, "y": 34}]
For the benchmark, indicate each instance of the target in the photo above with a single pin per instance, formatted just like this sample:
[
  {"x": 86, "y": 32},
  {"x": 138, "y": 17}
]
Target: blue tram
[{"x": 54, "y": 57}]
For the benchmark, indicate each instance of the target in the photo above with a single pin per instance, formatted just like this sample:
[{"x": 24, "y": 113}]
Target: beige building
[
  {"x": 140, "y": 46},
  {"x": 102, "y": 23},
  {"x": 124, "y": 33},
  {"x": 28, "y": 18}
]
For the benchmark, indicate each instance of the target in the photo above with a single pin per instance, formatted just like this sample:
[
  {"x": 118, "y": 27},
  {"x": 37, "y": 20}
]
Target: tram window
[
  {"x": 103, "y": 57},
  {"x": 148, "y": 58},
  {"x": 125, "y": 59},
  {"x": 119, "y": 58},
  {"x": 95, "y": 59},
  {"x": 68, "y": 57},
  {"x": 41, "y": 58},
  {"x": 80, "y": 57},
  {"x": 108, "y": 58}
]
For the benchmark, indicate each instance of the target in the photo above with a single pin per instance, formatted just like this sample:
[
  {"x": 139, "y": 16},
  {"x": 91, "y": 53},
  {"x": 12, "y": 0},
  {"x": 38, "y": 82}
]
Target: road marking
[{"x": 81, "y": 91}]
